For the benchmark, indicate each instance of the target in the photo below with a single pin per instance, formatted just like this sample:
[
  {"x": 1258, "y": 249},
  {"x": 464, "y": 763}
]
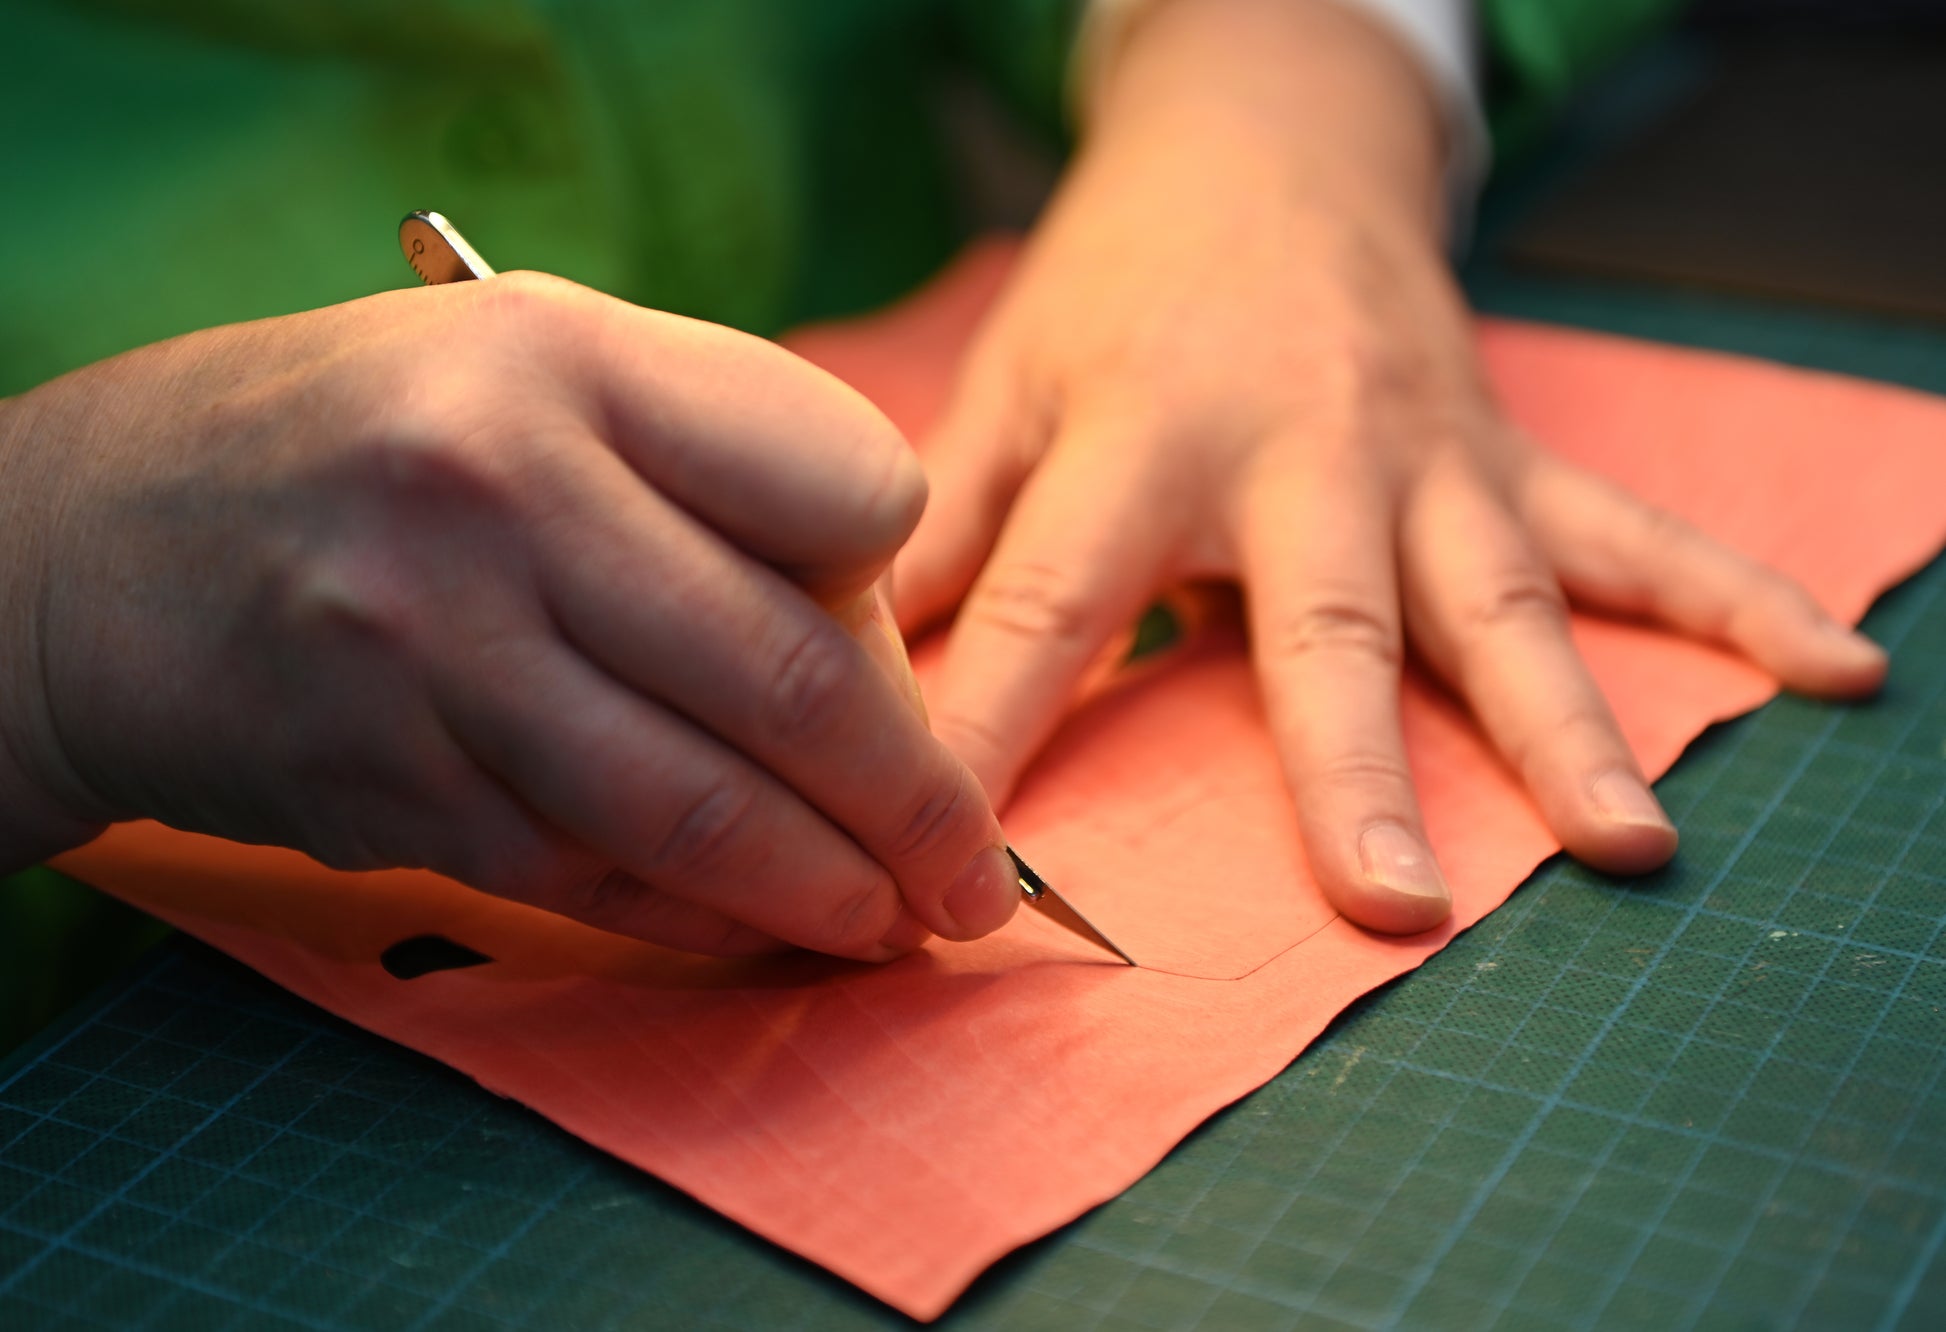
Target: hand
[
  {"x": 505, "y": 579},
  {"x": 1232, "y": 350}
]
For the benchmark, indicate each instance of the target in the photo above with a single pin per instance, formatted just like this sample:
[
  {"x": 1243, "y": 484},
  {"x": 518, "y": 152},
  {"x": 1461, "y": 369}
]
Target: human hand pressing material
[
  {"x": 1233, "y": 350},
  {"x": 508, "y": 580}
]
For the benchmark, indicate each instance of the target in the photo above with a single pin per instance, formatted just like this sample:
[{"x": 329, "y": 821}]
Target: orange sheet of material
[{"x": 906, "y": 1125}]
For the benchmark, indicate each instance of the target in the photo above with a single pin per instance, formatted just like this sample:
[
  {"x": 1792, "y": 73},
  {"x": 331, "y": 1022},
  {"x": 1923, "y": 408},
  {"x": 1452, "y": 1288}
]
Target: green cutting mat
[
  {"x": 1708, "y": 1099},
  {"x": 1711, "y": 1098}
]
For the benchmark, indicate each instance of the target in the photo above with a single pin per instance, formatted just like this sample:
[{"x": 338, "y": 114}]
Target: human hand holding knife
[{"x": 439, "y": 254}]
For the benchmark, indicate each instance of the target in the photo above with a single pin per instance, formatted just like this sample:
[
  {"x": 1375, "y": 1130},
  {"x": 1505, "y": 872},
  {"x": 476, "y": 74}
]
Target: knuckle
[
  {"x": 1033, "y": 601},
  {"x": 930, "y": 824},
  {"x": 435, "y": 461},
  {"x": 1519, "y": 598},
  {"x": 1658, "y": 528},
  {"x": 1585, "y": 725},
  {"x": 812, "y": 688},
  {"x": 343, "y": 600},
  {"x": 879, "y": 487},
  {"x": 858, "y": 918},
  {"x": 524, "y": 295},
  {"x": 434, "y": 451},
  {"x": 1790, "y": 595},
  {"x": 1772, "y": 600},
  {"x": 1335, "y": 626},
  {"x": 1646, "y": 550},
  {"x": 1655, "y": 539},
  {"x": 1368, "y": 773},
  {"x": 1575, "y": 734},
  {"x": 707, "y": 837}
]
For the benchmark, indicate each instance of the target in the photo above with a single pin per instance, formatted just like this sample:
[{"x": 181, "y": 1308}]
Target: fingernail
[
  {"x": 1622, "y": 798},
  {"x": 906, "y": 934},
  {"x": 1395, "y": 859},
  {"x": 984, "y": 895}
]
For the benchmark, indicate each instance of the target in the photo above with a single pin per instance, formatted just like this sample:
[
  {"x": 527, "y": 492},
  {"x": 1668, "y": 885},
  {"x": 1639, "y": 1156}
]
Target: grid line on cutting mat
[{"x": 1604, "y": 1104}]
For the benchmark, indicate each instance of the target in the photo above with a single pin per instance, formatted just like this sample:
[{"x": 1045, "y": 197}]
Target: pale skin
[
  {"x": 580, "y": 611},
  {"x": 506, "y": 579},
  {"x": 1233, "y": 350}
]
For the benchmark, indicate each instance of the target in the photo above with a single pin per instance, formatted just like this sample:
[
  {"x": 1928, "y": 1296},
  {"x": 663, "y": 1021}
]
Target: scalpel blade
[{"x": 1057, "y": 908}]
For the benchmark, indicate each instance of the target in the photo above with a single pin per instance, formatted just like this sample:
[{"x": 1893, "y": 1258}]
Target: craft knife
[
  {"x": 1057, "y": 908},
  {"x": 439, "y": 254}
]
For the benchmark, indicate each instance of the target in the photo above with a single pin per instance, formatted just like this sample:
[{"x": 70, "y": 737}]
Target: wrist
[
  {"x": 33, "y": 823},
  {"x": 1324, "y": 100}
]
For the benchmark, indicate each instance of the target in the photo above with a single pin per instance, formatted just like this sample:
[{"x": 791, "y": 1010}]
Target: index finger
[{"x": 785, "y": 461}]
